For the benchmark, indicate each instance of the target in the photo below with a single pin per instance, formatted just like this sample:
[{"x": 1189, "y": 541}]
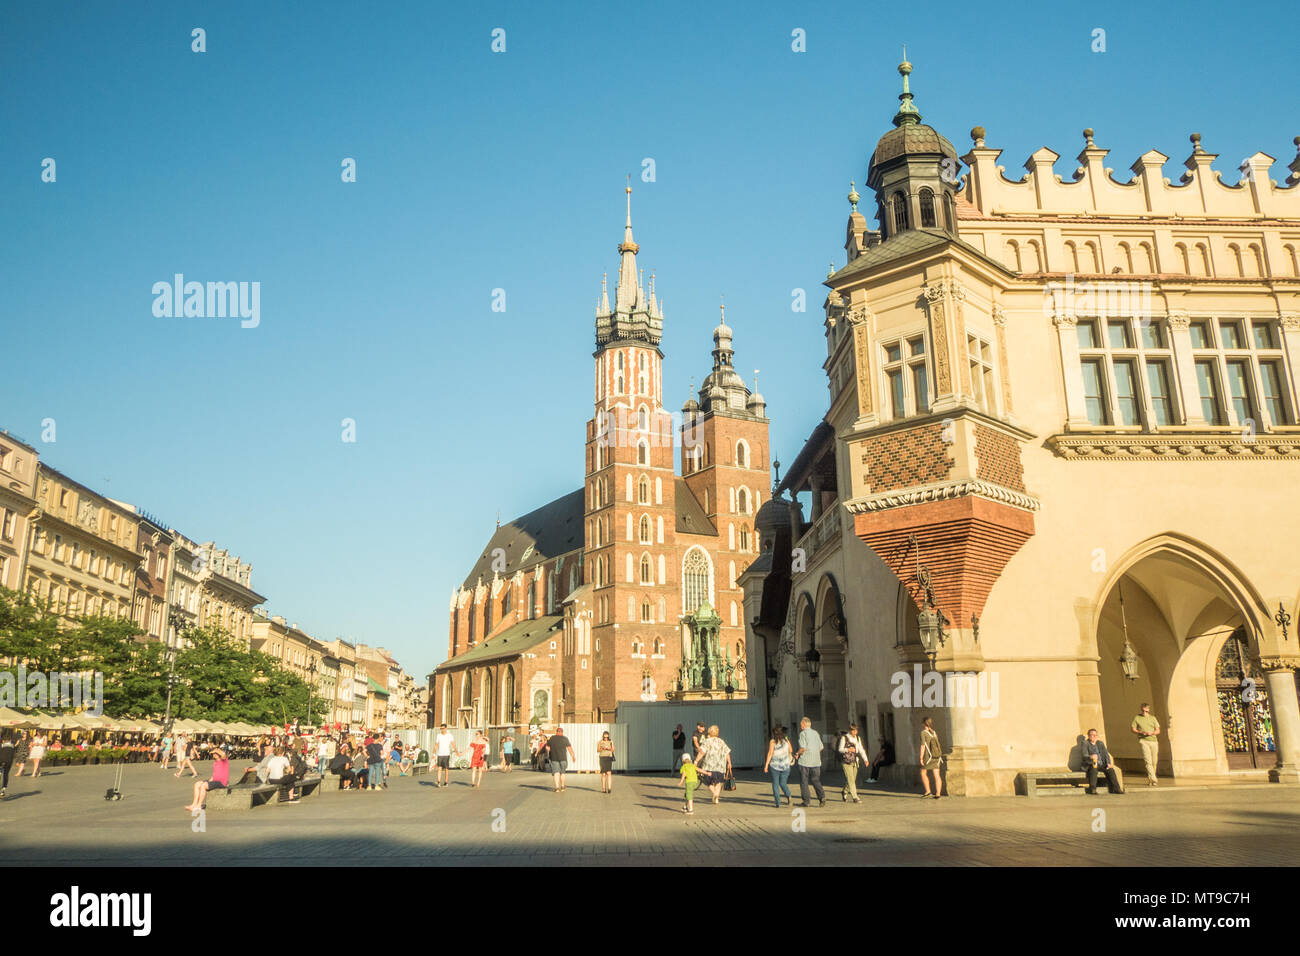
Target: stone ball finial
[
  {"x": 1087, "y": 136},
  {"x": 977, "y": 135},
  {"x": 1196, "y": 141},
  {"x": 1296, "y": 141}
]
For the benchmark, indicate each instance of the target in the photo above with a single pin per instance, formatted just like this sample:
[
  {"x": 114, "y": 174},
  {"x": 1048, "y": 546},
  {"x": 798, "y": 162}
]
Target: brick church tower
[{"x": 630, "y": 514}]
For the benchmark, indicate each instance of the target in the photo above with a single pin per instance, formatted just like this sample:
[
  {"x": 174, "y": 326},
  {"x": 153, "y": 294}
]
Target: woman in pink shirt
[{"x": 220, "y": 780}]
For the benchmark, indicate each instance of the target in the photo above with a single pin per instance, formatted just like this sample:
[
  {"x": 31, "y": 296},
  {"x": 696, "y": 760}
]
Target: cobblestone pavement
[{"x": 516, "y": 819}]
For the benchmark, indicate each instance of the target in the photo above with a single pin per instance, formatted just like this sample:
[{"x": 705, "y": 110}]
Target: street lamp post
[
  {"x": 311, "y": 669},
  {"x": 177, "y": 622}
]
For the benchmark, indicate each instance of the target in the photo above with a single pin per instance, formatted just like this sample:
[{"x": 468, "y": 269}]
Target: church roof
[
  {"x": 691, "y": 518},
  {"x": 911, "y": 139},
  {"x": 509, "y": 643},
  {"x": 550, "y": 531},
  {"x": 902, "y": 245}
]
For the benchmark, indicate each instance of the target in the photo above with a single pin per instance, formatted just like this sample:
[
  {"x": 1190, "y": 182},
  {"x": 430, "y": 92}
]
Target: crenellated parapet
[{"x": 1094, "y": 190}]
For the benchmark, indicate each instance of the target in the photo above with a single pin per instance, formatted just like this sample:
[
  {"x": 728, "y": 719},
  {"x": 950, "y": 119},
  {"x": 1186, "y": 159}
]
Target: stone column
[
  {"x": 1180, "y": 343},
  {"x": 968, "y": 773},
  {"x": 1279, "y": 674},
  {"x": 1068, "y": 336}
]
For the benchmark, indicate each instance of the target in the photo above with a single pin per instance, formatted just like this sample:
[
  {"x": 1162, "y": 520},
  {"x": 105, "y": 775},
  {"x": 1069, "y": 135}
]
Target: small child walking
[{"x": 690, "y": 779}]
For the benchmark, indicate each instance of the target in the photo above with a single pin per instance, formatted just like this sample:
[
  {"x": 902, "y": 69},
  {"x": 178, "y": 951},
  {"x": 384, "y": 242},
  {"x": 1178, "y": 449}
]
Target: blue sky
[{"x": 476, "y": 171}]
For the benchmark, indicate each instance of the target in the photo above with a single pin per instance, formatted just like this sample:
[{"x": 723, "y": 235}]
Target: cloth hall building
[
  {"x": 625, "y": 589},
  {"x": 1060, "y": 455}
]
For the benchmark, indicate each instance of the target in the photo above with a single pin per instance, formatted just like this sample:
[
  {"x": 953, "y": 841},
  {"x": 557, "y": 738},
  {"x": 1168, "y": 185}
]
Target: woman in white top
[
  {"x": 183, "y": 757},
  {"x": 36, "y": 752},
  {"x": 852, "y": 756}
]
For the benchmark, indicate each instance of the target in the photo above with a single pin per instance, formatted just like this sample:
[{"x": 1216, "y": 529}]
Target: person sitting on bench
[
  {"x": 279, "y": 773},
  {"x": 342, "y": 765},
  {"x": 884, "y": 757},
  {"x": 1096, "y": 759},
  {"x": 261, "y": 768},
  {"x": 220, "y": 780}
]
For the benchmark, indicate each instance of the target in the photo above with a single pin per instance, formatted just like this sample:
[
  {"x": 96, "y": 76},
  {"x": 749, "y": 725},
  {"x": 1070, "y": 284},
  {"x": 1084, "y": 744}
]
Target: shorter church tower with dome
[{"x": 625, "y": 589}]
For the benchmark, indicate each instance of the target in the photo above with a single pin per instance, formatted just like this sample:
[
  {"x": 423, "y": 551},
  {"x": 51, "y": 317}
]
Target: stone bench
[
  {"x": 246, "y": 796},
  {"x": 1028, "y": 782}
]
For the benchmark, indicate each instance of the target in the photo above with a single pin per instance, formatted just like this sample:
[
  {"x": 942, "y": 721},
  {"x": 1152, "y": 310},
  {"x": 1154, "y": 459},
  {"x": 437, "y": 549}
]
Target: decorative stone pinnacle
[
  {"x": 977, "y": 136},
  {"x": 1196, "y": 142},
  {"x": 1087, "y": 138}
]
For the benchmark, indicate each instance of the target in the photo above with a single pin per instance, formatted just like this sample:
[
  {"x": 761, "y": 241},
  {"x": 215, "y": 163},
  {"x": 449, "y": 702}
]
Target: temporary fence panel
[
  {"x": 650, "y": 726},
  {"x": 585, "y": 737}
]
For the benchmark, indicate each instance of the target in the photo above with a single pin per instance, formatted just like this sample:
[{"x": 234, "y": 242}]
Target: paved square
[{"x": 516, "y": 819}]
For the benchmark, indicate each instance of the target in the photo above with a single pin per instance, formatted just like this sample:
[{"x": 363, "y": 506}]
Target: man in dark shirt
[
  {"x": 679, "y": 744},
  {"x": 561, "y": 752},
  {"x": 884, "y": 757},
  {"x": 6, "y": 759},
  {"x": 1097, "y": 759},
  {"x": 701, "y": 735},
  {"x": 375, "y": 763}
]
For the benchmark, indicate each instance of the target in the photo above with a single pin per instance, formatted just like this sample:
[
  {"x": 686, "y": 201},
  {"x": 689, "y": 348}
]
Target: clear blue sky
[{"x": 479, "y": 171}]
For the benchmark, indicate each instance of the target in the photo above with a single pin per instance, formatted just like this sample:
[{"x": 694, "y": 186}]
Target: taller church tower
[{"x": 629, "y": 512}]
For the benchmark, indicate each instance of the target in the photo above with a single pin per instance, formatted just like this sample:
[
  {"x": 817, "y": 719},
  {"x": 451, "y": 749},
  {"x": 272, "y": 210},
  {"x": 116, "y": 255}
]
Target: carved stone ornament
[
  {"x": 86, "y": 514},
  {"x": 1179, "y": 321},
  {"x": 1189, "y": 448},
  {"x": 1290, "y": 321},
  {"x": 1269, "y": 664},
  {"x": 1065, "y": 320},
  {"x": 942, "y": 492},
  {"x": 999, "y": 316},
  {"x": 857, "y": 315},
  {"x": 933, "y": 293}
]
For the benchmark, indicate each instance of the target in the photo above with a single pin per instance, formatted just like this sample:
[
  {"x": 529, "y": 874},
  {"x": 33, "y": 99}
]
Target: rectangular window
[
  {"x": 1200, "y": 333},
  {"x": 1239, "y": 388},
  {"x": 920, "y": 388},
  {"x": 1270, "y": 374},
  {"x": 1264, "y": 337},
  {"x": 1094, "y": 394},
  {"x": 1207, "y": 383},
  {"x": 1088, "y": 334},
  {"x": 1153, "y": 336},
  {"x": 896, "y": 399},
  {"x": 1230, "y": 335},
  {"x": 1126, "y": 392},
  {"x": 1158, "y": 385},
  {"x": 1119, "y": 335}
]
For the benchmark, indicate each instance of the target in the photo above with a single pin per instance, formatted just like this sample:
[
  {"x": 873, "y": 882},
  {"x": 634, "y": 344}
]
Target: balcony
[{"x": 822, "y": 535}]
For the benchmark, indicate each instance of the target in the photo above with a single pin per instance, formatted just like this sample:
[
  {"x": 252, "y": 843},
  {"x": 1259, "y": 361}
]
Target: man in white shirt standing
[
  {"x": 444, "y": 747},
  {"x": 810, "y": 762}
]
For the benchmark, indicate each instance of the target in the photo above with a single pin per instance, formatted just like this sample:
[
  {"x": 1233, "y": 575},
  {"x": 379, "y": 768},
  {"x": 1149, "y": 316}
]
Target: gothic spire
[
  {"x": 625, "y": 298},
  {"x": 907, "y": 112}
]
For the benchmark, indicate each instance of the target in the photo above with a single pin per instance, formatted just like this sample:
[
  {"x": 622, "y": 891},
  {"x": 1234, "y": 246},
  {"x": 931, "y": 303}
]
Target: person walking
[
  {"x": 690, "y": 779},
  {"x": 931, "y": 756},
  {"x": 507, "y": 751},
  {"x": 36, "y": 752},
  {"x": 322, "y": 755},
  {"x": 22, "y": 747},
  {"x": 715, "y": 762},
  {"x": 560, "y": 752},
  {"x": 166, "y": 750},
  {"x": 1096, "y": 759},
  {"x": 7, "y": 752},
  {"x": 183, "y": 758},
  {"x": 1147, "y": 729},
  {"x": 852, "y": 755},
  {"x": 478, "y": 754},
  {"x": 777, "y": 765},
  {"x": 679, "y": 745},
  {"x": 697, "y": 741},
  {"x": 605, "y": 753},
  {"x": 444, "y": 746},
  {"x": 810, "y": 762}
]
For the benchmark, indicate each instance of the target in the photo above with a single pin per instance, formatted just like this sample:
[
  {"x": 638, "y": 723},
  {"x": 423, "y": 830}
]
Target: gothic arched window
[
  {"x": 643, "y": 491},
  {"x": 647, "y": 570},
  {"x": 927, "y": 208},
  {"x": 645, "y": 529},
  {"x": 642, "y": 378},
  {"x": 695, "y": 580},
  {"x": 618, "y": 373},
  {"x": 642, "y": 453},
  {"x": 900, "y": 212},
  {"x": 643, "y": 419},
  {"x": 742, "y": 458}
]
